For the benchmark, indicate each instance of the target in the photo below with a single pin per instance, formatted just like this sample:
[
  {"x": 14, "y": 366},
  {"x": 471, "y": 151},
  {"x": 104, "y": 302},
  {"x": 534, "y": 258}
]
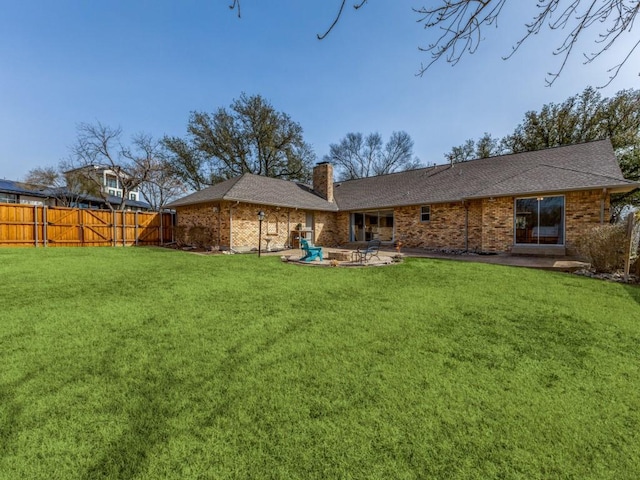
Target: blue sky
[{"x": 145, "y": 65}]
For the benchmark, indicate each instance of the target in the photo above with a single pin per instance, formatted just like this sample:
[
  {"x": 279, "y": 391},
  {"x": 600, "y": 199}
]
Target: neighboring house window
[
  {"x": 425, "y": 213},
  {"x": 8, "y": 198},
  {"x": 118, "y": 193},
  {"x": 112, "y": 192},
  {"x": 132, "y": 196},
  {"x": 112, "y": 182}
]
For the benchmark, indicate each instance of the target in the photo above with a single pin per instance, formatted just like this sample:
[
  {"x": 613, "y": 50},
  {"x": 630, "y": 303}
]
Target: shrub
[
  {"x": 201, "y": 236},
  {"x": 604, "y": 247},
  {"x": 180, "y": 235}
]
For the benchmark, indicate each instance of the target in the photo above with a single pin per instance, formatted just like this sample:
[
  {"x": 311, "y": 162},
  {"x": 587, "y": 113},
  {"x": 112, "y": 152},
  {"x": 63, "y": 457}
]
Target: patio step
[{"x": 543, "y": 250}]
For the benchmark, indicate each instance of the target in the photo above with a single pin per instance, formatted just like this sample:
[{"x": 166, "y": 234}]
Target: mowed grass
[{"x": 150, "y": 364}]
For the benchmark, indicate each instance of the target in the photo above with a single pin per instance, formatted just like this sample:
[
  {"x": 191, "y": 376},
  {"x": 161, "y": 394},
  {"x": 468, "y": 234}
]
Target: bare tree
[
  {"x": 357, "y": 156},
  {"x": 461, "y": 25},
  {"x": 100, "y": 147},
  {"x": 68, "y": 187},
  {"x": 162, "y": 185}
]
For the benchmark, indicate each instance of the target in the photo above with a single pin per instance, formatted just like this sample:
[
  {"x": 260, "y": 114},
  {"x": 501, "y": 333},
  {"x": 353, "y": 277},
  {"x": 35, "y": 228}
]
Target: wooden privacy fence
[{"x": 36, "y": 225}]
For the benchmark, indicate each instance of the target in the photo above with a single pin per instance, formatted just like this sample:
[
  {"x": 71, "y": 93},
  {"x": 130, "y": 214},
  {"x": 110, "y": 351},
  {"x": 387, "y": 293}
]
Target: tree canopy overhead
[
  {"x": 249, "y": 137},
  {"x": 459, "y": 26},
  {"x": 580, "y": 118}
]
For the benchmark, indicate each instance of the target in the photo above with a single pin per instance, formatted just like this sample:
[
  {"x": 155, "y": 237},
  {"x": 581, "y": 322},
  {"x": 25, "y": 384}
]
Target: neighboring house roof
[
  {"x": 261, "y": 190},
  {"x": 575, "y": 167},
  {"x": 20, "y": 188}
]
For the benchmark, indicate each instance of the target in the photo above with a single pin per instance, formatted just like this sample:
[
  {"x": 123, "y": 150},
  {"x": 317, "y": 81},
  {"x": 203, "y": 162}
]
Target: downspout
[
  {"x": 231, "y": 225},
  {"x": 231, "y": 228},
  {"x": 604, "y": 196},
  {"x": 466, "y": 226},
  {"x": 219, "y": 224}
]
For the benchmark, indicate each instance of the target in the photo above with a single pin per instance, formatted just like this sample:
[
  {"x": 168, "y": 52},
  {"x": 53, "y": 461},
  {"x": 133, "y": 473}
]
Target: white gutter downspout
[
  {"x": 466, "y": 226},
  {"x": 604, "y": 195},
  {"x": 231, "y": 226}
]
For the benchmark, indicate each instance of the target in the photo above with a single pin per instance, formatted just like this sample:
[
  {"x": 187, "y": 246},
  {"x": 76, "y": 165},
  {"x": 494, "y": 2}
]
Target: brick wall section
[
  {"x": 474, "y": 208},
  {"x": 490, "y": 223},
  {"x": 326, "y": 229},
  {"x": 444, "y": 230},
  {"x": 583, "y": 213},
  {"x": 202, "y": 215},
  {"x": 237, "y": 224},
  {"x": 497, "y": 224}
]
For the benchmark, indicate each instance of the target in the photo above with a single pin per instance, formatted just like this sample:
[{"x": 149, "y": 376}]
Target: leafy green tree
[
  {"x": 486, "y": 146},
  {"x": 582, "y": 118},
  {"x": 357, "y": 156},
  {"x": 249, "y": 137}
]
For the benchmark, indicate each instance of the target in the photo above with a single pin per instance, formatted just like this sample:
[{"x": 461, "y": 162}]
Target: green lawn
[{"x": 149, "y": 364}]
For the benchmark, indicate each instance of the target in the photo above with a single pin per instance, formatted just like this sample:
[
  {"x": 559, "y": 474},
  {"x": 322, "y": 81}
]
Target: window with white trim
[
  {"x": 425, "y": 213},
  {"x": 8, "y": 198}
]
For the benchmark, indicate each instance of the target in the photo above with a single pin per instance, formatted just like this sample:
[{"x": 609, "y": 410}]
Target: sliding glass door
[
  {"x": 375, "y": 225},
  {"x": 539, "y": 220}
]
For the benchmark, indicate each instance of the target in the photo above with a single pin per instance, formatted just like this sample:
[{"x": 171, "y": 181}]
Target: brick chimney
[{"x": 323, "y": 180}]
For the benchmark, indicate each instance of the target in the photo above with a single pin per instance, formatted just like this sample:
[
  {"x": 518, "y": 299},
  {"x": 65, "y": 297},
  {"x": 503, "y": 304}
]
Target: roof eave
[{"x": 620, "y": 188}]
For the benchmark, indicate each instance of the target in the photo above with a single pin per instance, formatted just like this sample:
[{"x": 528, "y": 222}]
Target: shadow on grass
[
  {"x": 11, "y": 411},
  {"x": 634, "y": 292},
  {"x": 147, "y": 410}
]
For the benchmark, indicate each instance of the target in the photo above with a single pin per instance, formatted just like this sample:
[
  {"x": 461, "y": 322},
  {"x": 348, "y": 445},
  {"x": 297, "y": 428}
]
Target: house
[
  {"x": 109, "y": 181},
  {"x": 533, "y": 202},
  {"x": 18, "y": 192},
  {"x": 12, "y": 191}
]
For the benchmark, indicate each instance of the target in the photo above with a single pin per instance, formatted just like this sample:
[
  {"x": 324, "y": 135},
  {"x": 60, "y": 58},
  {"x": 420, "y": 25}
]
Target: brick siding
[{"x": 489, "y": 223}]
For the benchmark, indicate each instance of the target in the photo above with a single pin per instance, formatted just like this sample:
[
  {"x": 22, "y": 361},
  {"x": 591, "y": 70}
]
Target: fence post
[
  {"x": 631, "y": 220},
  {"x": 35, "y": 224},
  {"x": 161, "y": 227},
  {"x": 124, "y": 229},
  {"x": 136, "y": 229},
  {"x": 44, "y": 225},
  {"x": 81, "y": 226},
  {"x": 115, "y": 227}
]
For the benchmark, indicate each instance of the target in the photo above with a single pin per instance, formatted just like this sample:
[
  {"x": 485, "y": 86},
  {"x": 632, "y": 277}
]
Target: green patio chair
[{"x": 310, "y": 252}]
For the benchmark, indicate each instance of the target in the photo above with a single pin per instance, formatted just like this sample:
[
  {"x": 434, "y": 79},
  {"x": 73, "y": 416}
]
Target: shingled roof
[
  {"x": 576, "y": 167},
  {"x": 261, "y": 190}
]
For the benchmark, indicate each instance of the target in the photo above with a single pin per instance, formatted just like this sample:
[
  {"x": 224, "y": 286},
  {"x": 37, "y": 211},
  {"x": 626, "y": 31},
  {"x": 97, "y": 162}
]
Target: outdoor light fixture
[{"x": 260, "y": 219}]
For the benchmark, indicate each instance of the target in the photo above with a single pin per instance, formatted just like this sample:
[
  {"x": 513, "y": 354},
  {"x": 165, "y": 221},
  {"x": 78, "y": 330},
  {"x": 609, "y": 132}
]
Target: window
[
  {"x": 372, "y": 225},
  {"x": 8, "y": 198},
  {"x": 132, "y": 196},
  {"x": 425, "y": 213},
  {"x": 112, "y": 182},
  {"x": 112, "y": 192},
  {"x": 539, "y": 220}
]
